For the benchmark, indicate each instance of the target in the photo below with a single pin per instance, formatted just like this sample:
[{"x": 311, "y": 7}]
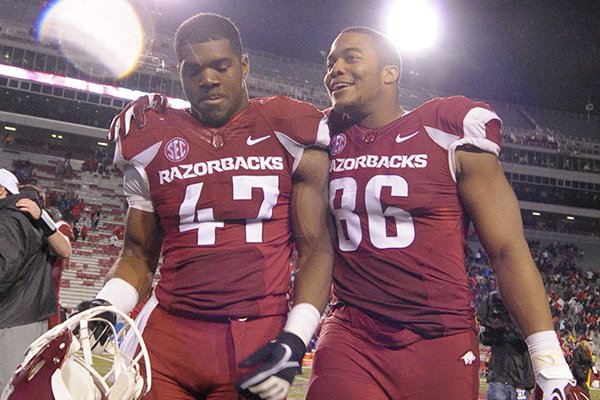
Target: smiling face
[
  {"x": 354, "y": 74},
  {"x": 212, "y": 76}
]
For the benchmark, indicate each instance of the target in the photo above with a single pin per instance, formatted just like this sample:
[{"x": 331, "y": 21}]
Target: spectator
[
  {"x": 94, "y": 218},
  {"x": 89, "y": 165},
  {"x": 68, "y": 169},
  {"x": 583, "y": 364},
  {"x": 26, "y": 293},
  {"x": 76, "y": 230},
  {"x": 59, "y": 171},
  {"x": 83, "y": 233},
  {"x": 113, "y": 240},
  {"x": 510, "y": 374},
  {"x": 8, "y": 138},
  {"x": 118, "y": 232},
  {"x": 77, "y": 209}
]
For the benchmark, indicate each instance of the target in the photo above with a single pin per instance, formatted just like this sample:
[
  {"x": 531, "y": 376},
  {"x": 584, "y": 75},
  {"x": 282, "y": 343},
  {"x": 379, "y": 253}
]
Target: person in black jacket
[
  {"x": 510, "y": 374},
  {"x": 27, "y": 297},
  {"x": 583, "y": 364}
]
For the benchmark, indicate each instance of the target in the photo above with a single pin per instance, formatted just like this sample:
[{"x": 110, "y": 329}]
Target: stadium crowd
[{"x": 573, "y": 293}]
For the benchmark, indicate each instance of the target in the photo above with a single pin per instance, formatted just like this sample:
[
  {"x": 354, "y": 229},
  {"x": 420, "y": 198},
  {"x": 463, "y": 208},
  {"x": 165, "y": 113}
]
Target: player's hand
[
  {"x": 551, "y": 384},
  {"x": 277, "y": 363},
  {"x": 99, "y": 328},
  {"x": 136, "y": 110},
  {"x": 28, "y": 206}
]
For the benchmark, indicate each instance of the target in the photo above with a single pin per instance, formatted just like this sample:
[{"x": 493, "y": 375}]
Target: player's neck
[{"x": 380, "y": 117}]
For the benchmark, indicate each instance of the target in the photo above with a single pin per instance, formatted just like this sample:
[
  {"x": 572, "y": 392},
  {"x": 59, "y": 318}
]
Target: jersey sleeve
[
  {"x": 297, "y": 125},
  {"x": 141, "y": 145},
  {"x": 136, "y": 188},
  {"x": 134, "y": 151},
  {"x": 459, "y": 121},
  {"x": 299, "y": 121},
  {"x": 66, "y": 229}
]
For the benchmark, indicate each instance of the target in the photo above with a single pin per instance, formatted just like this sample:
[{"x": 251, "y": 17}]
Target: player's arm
[
  {"x": 138, "y": 259},
  {"x": 58, "y": 243},
  {"x": 492, "y": 206},
  {"x": 279, "y": 361},
  {"x": 310, "y": 216},
  {"x": 130, "y": 277}
]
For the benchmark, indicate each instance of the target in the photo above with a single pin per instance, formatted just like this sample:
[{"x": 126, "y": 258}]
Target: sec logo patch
[
  {"x": 338, "y": 142},
  {"x": 176, "y": 150}
]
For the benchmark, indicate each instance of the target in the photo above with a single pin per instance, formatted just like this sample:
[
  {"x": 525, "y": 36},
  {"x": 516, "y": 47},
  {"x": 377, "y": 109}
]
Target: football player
[
  {"x": 403, "y": 188},
  {"x": 226, "y": 189}
]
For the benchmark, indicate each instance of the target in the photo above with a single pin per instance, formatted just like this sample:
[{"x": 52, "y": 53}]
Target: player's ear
[
  {"x": 390, "y": 74},
  {"x": 245, "y": 66}
]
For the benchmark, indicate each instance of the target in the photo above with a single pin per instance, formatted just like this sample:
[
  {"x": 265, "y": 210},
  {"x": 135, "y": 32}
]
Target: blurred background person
[
  {"x": 27, "y": 297},
  {"x": 510, "y": 374},
  {"x": 583, "y": 362}
]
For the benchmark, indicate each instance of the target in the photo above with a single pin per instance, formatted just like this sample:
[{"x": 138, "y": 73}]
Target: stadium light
[
  {"x": 10, "y": 128},
  {"x": 411, "y": 24},
  {"x": 535, "y": 214},
  {"x": 570, "y": 218}
]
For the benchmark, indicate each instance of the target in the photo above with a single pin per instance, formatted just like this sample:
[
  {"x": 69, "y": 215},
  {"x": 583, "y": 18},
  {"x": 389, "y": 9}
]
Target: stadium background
[{"x": 55, "y": 108}]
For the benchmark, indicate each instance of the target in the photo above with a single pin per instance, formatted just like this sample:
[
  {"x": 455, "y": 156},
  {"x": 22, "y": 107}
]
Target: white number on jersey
[
  {"x": 203, "y": 220},
  {"x": 350, "y": 237}
]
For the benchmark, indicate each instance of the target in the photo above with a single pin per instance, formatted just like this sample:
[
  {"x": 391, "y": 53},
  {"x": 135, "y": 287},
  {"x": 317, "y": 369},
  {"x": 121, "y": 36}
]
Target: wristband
[
  {"x": 46, "y": 223},
  {"x": 303, "y": 320},
  {"x": 120, "y": 294},
  {"x": 545, "y": 351}
]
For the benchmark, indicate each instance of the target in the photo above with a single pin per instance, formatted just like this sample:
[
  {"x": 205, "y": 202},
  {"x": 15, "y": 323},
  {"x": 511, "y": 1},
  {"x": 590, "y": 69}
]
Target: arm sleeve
[{"x": 136, "y": 189}]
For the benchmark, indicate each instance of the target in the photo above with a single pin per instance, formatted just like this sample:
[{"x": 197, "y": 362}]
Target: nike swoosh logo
[
  {"x": 557, "y": 394},
  {"x": 400, "y": 139},
  {"x": 251, "y": 142}
]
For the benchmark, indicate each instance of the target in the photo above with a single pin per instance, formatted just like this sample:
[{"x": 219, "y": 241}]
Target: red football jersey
[
  {"x": 401, "y": 228},
  {"x": 223, "y": 198}
]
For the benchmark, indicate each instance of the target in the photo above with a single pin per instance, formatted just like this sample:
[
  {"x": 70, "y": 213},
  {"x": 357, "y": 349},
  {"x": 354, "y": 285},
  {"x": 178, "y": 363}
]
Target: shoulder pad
[{"x": 299, "y": 121}]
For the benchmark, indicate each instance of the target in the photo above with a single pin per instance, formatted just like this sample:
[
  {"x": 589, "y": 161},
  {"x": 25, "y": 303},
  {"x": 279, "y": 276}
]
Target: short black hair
[
  {"x": 384, "y": 46},
  {"x": 206, "y": 27}
]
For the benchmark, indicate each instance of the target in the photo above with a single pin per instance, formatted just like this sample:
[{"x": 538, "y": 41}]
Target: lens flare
[
  {"x": 108, "y": 31},
  {"x": 411, "y": 24}
]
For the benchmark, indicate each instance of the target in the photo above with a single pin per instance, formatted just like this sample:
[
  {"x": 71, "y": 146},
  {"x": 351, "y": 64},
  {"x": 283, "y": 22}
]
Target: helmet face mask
[{"x": 61, "y": 366}]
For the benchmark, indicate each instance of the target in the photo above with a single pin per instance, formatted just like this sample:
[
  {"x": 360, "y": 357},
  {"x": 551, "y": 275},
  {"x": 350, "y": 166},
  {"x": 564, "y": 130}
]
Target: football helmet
[{"x": 60, "y": 365}]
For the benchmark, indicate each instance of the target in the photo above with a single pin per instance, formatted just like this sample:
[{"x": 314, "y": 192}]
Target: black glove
[
  {"x": 280, "y": 358},
  {"x": 100, "y": 329}
]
